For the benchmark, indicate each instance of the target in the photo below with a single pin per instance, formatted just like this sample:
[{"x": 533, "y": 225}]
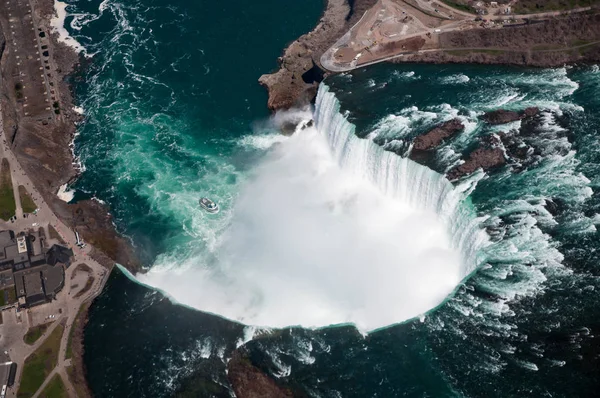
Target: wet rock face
[
  {"x": 434, "y": 138},
  {"x": 502, "y": 116},
  {"x": 423, "y": 150},
  {"x": 296, "y": 81},
  {"x": 489, "y": 155},
  {"x": 486, "y": 158}
]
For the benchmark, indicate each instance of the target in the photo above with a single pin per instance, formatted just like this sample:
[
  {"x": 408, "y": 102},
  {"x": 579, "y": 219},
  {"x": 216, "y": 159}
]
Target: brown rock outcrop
[
  {"x": 488, "y": 156},
  {"x": 249, "y": 382},
  {"x": 294, "y": 83},
  {"x": 434, "y": 137},
  {"x": 502, "y": 116}
]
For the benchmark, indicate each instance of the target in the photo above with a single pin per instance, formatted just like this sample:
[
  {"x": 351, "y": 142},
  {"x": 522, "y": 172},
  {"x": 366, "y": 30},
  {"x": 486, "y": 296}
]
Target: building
[{"x": 38, "y": 274}]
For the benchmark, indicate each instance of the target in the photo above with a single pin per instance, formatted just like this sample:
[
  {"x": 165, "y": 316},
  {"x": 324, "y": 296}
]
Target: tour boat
[{"x": 209, "y": 205}]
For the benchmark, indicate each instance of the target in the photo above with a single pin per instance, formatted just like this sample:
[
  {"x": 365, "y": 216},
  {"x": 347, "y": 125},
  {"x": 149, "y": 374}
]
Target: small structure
[
  {"x": 34, "y": 291},
  {"x": 59, "y": 254},
  {"x": 12, "y": 374},
  {"x": 53, "y": 279}
]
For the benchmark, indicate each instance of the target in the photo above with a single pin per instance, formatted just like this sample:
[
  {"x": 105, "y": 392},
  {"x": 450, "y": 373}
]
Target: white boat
[{"x": 209, "y": 205}]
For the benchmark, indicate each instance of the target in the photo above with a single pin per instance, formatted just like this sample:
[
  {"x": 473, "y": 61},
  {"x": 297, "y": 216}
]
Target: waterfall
[
  {"x": 402, "y": 179},
  {"x": 331, "y": 229}
]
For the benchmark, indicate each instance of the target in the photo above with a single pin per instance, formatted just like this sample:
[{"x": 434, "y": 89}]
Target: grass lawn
[
  {"x": 55, "y": 389},
  {"x": 8, "y": 296},
  {"x": 7, "y": 196},
  {"x": 12, "y": 295},
  {"x": 39, "y": 364},
  {"x": 34, "y": 333},
  {"x": 77, "y": 384},
  {"x": 54, "y": 234},
  {"x": 78, "y": 319},
  {"x": 463, "y": 6},
  {"x": 27, "y": 203}
]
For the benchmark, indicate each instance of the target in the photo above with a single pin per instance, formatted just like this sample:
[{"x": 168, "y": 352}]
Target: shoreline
[
  {"x": 554, "y": 40},
  {"x": 40, "y": 125}
]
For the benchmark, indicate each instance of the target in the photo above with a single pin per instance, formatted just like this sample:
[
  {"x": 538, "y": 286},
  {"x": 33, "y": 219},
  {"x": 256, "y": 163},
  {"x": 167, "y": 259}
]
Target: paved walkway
[{"x": 65, "y": 300}]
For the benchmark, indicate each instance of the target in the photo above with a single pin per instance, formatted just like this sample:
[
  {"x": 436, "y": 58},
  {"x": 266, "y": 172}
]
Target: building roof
[
  {"x": 6, "y": 238},
  {"x": 54, "y": 280},
  {"x": 20, "y": 285},
  {"x": 59, "y": 254},
  {"x": 33, "y": 284}
]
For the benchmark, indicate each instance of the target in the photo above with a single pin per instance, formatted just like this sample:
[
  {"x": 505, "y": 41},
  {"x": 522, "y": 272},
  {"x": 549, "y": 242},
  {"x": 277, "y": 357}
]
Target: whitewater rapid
[{"x": 331, "y": 229}]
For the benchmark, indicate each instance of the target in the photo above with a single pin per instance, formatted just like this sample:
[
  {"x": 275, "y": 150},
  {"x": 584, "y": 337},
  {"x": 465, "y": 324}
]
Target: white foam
[
  {"x": 65, "y": 194},
  {"x": 58, "y": 25},
  {"x": 262, "y": 141},
  {"x": 332, "y": 229},
  {"x": 455, "y": 79}
]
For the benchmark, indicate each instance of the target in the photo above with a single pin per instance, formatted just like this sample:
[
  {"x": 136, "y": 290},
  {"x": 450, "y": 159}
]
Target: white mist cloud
[{"x": 309, "y": 244}]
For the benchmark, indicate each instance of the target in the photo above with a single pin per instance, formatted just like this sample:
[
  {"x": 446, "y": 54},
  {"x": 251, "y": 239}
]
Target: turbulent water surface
[{"x": 333, "y": 225}]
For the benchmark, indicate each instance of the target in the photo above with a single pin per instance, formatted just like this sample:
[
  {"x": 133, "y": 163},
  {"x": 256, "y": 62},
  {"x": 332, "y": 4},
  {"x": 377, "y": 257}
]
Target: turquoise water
[{"x": 173, "y": 112}]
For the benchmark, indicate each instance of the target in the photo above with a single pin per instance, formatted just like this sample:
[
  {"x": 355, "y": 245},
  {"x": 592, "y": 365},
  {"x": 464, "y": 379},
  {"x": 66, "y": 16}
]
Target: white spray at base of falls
[{"x": 330, "y": 229}]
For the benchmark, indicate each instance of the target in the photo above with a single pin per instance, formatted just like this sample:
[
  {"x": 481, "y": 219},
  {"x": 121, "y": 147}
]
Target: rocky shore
[
  {"x": 300, "y": 71},
  {"x": 551, "y": 42},
  {"x": 40, "y": 124},
  {"x": 42, "y": 144}
]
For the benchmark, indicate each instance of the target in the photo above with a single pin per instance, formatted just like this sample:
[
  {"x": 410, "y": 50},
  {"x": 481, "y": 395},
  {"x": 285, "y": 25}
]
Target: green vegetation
[
  {"x": 12, "y": 295},
  {"x": 77, "y": 383},
  {"x": 462, "y": 53},
  {"x": 7, "y": 195},
  {"x": 39, "y": 364},
  {"x": 55, "y": 389},
  {"x": 76, "y": 325},
  {"x": 34, "y": 333},
  {"x": 534, "y": 6},
  {"x": 8, "y": 296},
  {"x": 54, "y": 234},
  {"x": 460, "y": 6},
  {"x": 27, "y": 203}
]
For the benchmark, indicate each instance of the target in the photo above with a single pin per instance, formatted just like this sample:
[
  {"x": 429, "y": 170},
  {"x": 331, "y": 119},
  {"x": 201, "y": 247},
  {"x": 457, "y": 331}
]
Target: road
[
  {"x": 65, "y": 301},
  {"x": 328, "y": 59}
]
